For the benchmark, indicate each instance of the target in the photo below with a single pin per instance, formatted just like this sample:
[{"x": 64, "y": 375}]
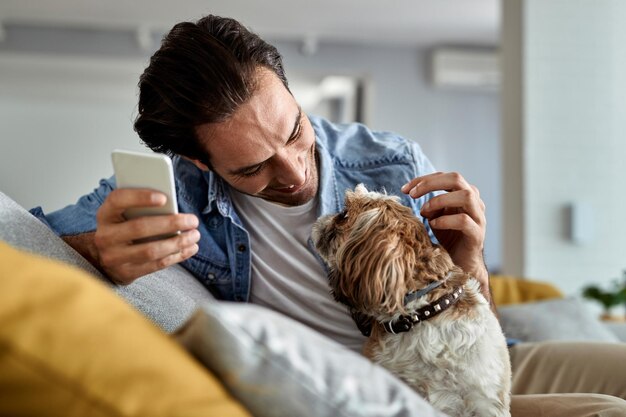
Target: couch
[{"x": 74, "y": 344}]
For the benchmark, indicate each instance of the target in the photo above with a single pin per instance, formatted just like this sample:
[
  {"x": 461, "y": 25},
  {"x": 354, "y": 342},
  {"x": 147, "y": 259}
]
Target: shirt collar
[
  {"x": 213, "y": 185},
  {"x": 330, "y": 200}
]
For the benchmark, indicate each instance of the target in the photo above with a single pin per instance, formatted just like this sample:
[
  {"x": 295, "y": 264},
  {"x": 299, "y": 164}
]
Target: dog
[{"x": 431, "y": 326}]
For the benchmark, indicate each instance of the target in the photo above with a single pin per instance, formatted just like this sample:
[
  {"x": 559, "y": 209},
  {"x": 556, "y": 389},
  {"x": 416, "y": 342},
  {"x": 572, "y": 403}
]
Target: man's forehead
[
  {"x": 248, "y": 139},
  {"x": 271, "y": 105}
]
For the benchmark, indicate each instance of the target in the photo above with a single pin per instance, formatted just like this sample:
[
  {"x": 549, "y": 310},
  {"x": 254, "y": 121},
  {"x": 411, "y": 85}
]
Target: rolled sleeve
[
  {"x": 80, "y": 217},
  {"x": 423, "y": 166}
]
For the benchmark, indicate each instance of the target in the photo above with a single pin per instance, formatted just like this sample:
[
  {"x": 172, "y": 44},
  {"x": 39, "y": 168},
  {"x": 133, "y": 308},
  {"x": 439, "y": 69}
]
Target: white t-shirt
[{"x": 286, "y": 275}]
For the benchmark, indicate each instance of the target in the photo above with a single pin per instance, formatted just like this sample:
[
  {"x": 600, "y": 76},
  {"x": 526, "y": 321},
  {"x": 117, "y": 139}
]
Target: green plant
[{"x": 608, "y": 298}]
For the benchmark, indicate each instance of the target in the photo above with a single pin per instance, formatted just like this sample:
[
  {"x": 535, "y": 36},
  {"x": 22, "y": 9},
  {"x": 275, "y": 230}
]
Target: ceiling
[{"x": 398, "y": 22}]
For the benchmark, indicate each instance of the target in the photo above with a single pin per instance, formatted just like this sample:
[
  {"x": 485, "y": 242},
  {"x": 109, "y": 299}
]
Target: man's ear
[{"x": 201, "y": 166}]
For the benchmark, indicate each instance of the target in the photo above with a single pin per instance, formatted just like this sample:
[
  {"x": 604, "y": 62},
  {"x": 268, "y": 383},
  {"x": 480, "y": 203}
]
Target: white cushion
[
  {"x": 567, "y": 319},
  {"x": 278, "y": 367},
  {"x": 618, "y": 329}
]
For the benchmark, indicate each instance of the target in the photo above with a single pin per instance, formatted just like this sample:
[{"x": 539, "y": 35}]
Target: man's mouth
[{"x": 292, "y": 189}]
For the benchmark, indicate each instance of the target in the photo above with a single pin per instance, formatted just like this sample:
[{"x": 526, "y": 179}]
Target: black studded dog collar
[{"x": 406, "y": 322}]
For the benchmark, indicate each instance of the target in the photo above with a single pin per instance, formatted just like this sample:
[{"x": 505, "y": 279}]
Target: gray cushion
[
  {"x": 618, "y": 329},
  {"x": 566, "y": 319},
  {"x": 278, "y": 367},
  {"x": 24, "y": 231},
  {"x": 168, "y": 297}
]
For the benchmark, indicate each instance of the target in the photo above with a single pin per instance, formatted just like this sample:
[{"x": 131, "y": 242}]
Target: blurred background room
[{"x": 525, "y": 98}]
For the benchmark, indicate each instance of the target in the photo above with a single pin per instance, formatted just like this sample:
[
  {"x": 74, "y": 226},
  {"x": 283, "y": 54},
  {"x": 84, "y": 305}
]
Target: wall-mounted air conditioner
[{"x": 465, "y": 69}]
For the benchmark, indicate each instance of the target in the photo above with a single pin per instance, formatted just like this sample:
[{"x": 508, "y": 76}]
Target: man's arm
[
  {"x": 83, "y": 244},
  {"x": 457, "y": 219},
  {"x": 485, "y": 288},
  {"x": 492, "y": 303},
  {"x": 112, "y": 248}
]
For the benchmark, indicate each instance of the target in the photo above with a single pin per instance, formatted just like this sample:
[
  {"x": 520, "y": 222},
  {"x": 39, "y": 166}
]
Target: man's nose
[{"x": 291, "y": 170}]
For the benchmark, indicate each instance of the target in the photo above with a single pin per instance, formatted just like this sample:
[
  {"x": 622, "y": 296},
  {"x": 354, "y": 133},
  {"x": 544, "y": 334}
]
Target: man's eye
[
  {"x": 253, "y": 172},
  {"x": 297, "y": 135}
]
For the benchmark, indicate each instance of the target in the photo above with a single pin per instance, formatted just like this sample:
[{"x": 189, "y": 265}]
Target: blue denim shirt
[{"x": 348, "y": 155}]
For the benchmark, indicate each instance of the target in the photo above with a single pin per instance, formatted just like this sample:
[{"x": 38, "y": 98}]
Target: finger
[
  {"x": 116, "y": 203},
  {"x": 128, "y": 273},
  {"x": 438, "y": 181},
  {"x": 406, "y": 188},
  {"x": 410, "y": 185},
  {"x": 150, "y": 251},
  {"x": 144, "y": 227},
  {"x": 476, "y": 190},
  {"x": 483, "y": 207},
  {"x": 463, "y": 200},
  {"x": 113, "y": 207},
  {"x": 460, "y": 222}
]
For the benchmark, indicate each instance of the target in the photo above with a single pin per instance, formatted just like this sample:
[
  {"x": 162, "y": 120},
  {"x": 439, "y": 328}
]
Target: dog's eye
[{"x": 342, "y": 216}]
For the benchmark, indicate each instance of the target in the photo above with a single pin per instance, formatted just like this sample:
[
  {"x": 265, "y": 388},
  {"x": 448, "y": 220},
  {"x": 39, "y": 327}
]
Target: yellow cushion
[
  {"x": 512, "y": 290},
  {"x": 71, "y": 347}
]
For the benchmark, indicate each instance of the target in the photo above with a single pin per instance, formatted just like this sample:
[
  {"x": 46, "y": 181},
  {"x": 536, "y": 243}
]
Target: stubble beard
[{"x": 303, "y": 196}]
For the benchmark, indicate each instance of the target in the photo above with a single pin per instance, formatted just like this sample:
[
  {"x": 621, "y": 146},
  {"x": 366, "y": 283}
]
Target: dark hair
[{"x": 201, "y": 74}]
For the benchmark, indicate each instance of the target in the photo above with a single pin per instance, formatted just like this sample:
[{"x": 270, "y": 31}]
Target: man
[{"x": 253, "y": 173}]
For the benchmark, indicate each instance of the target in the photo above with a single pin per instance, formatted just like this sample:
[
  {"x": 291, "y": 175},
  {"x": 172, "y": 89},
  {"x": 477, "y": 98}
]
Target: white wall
[
  {"x": 60, "y": 115},
  {"x": 458, "y": 130},
  {"x": 569, "y": 126}
]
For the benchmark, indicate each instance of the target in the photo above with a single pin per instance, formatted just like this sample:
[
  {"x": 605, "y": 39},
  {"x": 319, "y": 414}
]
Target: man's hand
[
  {"x": 457, "y": 219},
  {"x": 119, "y": 257}
]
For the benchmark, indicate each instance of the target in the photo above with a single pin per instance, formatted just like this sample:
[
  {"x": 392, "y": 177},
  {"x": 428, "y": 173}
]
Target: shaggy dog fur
[{"x": 377, "y": 251}]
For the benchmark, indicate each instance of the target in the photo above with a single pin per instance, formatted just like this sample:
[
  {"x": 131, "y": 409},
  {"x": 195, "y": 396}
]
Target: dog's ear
[
  {"x": 372, "y": 266},
  {"x": 360, "y": 189},
  {"x": 337, "y": 289},
  {"x": 431, "y": 260}
]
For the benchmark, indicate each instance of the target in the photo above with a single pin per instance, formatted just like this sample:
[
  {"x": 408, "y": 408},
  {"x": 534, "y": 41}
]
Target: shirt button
[
  {"x": 214, "y": 222},
  {"x": 211, "y": 276},
  {"x": 241, "y": 248}
]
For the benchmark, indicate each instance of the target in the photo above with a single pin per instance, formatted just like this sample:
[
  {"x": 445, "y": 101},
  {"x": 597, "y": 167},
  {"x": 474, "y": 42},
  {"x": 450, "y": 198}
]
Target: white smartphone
[{"x": 145, "y": 170}]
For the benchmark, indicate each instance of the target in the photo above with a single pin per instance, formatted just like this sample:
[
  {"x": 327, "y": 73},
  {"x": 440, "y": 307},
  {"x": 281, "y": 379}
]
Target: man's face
[{"x": 267, "y": 147}]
